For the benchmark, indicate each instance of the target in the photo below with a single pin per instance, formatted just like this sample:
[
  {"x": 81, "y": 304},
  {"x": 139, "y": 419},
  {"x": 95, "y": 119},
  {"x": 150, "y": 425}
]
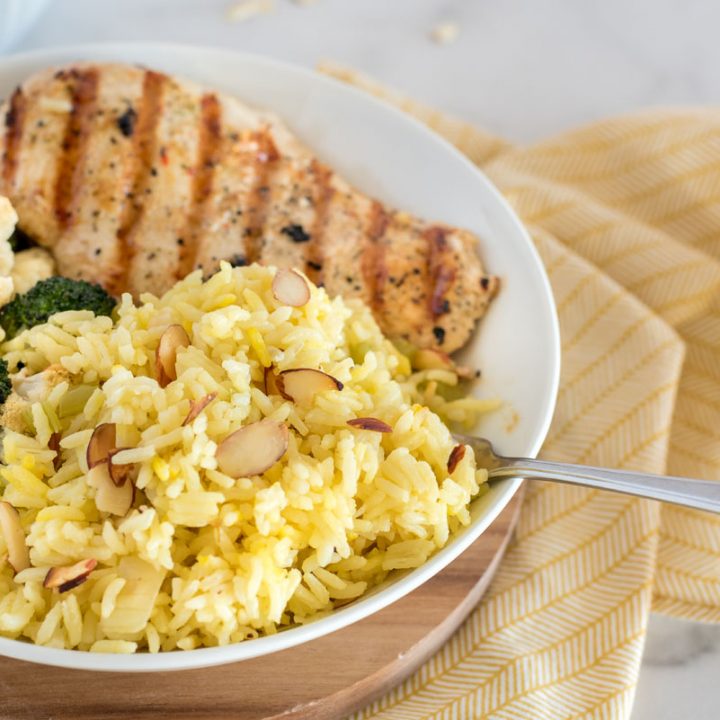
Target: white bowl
[
  {"x": 16, "y": 18},
  {"x": 396, "y": 159}
]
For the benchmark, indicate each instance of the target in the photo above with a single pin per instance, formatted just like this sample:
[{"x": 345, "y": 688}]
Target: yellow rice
[{"x": 203, "y": 559}]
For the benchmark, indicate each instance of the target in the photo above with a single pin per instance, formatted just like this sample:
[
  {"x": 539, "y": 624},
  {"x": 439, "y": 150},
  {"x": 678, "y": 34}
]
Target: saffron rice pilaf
[{"x": 205, "y": 555}]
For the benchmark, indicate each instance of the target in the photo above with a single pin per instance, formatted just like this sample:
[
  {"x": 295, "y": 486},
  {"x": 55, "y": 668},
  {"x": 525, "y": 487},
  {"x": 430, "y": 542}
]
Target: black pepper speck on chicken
[{"x": 145, "y": 178}]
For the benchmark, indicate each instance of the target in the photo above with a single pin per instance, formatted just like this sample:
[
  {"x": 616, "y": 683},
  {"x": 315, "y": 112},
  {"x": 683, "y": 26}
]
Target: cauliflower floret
[
  {"x": 19, "y": 272},
  {"x": 28, "y": 389},
  {"x": 35, "y": 388},
  {"x": 8, "y": 220},
  {"x": 31, "y": 266},
  {"x": 7, "y": 290},
  {"x": 15, "y": 414}
]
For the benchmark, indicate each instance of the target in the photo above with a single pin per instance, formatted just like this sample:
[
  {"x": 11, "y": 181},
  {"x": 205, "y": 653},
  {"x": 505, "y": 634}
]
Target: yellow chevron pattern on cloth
[{"x": 626, "y": 216}]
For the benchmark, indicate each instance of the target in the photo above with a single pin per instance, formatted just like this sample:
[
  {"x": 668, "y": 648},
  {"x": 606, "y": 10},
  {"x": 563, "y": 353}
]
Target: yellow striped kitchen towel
[{"x": 626, "y": 215}]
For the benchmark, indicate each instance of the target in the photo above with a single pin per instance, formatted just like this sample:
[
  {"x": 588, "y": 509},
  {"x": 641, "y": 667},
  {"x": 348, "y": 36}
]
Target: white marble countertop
[
  {"x": 519, "y": 68},
  {"x": 680, "y": 672}
]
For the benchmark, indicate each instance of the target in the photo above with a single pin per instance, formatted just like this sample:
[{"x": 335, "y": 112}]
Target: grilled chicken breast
[{"x": 133, "y": 179}]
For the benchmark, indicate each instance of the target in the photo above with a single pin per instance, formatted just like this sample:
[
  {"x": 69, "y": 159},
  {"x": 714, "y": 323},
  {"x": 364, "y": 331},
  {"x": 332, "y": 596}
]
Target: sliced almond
[
  {"x": 303, "y": 384},
  {"x": 109, "y": 497},
  {"x": 54, "y": 445},
  {"x": 290, "y": 288},
  {"x": 136, "y": 600},
  {"x": 119, "y": 474},
  {"x": 433, "y": 359},
  {"x": 102, "y": 444},
  {"x": 197, "y": 406},
  {"x": 271, "y": 386},
  {"x": 68, "y": 577},
  {"x": 456, "y": 455},
  {"x": 14, "y": 535},
  {"x": 171, "y": 341},
  {"x": 466, "y": 373},
  {"x": 252, "y": 449},
  {"x": 370, "y": 423}
]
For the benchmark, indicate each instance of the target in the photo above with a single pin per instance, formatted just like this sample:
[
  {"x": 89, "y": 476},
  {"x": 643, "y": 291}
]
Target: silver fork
[{"x": 700, "y": 494}]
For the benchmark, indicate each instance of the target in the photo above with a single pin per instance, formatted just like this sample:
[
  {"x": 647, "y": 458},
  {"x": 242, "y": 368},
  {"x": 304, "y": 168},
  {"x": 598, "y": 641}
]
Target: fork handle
[{"x": 699, "y": 494}]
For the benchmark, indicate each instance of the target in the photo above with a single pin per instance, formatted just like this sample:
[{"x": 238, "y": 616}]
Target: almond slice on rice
[
  {"x": 456, "y": 455},
  {"x": 303, "y": 384},
  {"x": 67, "y": 577},
  {"x": 102, "y": 444},
  {"x": 173, "y": 339},
  {"x": 14, "y": 535},
  {"x": 54, "y": 445},
  {"x": 370, "y": 423},
  {"x": 197, "y": 406},
  {"x": 119, "y": 473},
  {"x": 135, "y": 602},
  {"x": 109, "y": 497},
  {"x": 434, "y": 359},
  {"x": 271, "y": 382},
  {"x": 252, "y": 449},
  {"x": 290, "y": 288}
]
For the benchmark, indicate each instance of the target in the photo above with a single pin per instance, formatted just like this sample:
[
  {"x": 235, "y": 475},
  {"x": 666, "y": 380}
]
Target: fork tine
[{"x": 485, "y": 455}]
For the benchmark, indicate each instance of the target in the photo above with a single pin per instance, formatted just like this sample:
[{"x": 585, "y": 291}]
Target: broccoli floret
[
  {"x": 5, "y": 384},
  {"x": 54, "y": 295}
]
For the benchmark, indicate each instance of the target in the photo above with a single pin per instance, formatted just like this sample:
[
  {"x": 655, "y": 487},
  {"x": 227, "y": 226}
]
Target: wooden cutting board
[{"x": 328, "y": 678}]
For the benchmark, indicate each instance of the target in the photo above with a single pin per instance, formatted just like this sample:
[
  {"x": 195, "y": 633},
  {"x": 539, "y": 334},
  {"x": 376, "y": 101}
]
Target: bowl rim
[{"x": 368, "y": 605}]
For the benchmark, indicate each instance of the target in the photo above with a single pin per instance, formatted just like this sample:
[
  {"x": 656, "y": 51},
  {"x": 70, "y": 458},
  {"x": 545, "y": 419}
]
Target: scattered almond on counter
[
  {"x": 445, "y": 33},
  {"x": 247, "y": 9}
]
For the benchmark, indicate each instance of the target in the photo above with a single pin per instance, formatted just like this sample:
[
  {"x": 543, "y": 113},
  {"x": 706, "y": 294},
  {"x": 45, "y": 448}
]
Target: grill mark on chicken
[
  {"x": 373, "y": 267},
  {"x": 315, "y": 249},
  {"x": 440, "y": 273},
  {"x": 267, "y": 196},
  {"x": 208, "y": 156},
  {"x": 265, "y": 162},
  {"x": 77, "y": 131},
  {"x": 144, "y": 135},
  {"x": 14, "y": 121}
]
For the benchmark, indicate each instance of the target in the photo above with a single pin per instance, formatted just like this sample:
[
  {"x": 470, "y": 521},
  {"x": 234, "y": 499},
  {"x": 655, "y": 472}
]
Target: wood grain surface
[{"x": 327, "y": 678}]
